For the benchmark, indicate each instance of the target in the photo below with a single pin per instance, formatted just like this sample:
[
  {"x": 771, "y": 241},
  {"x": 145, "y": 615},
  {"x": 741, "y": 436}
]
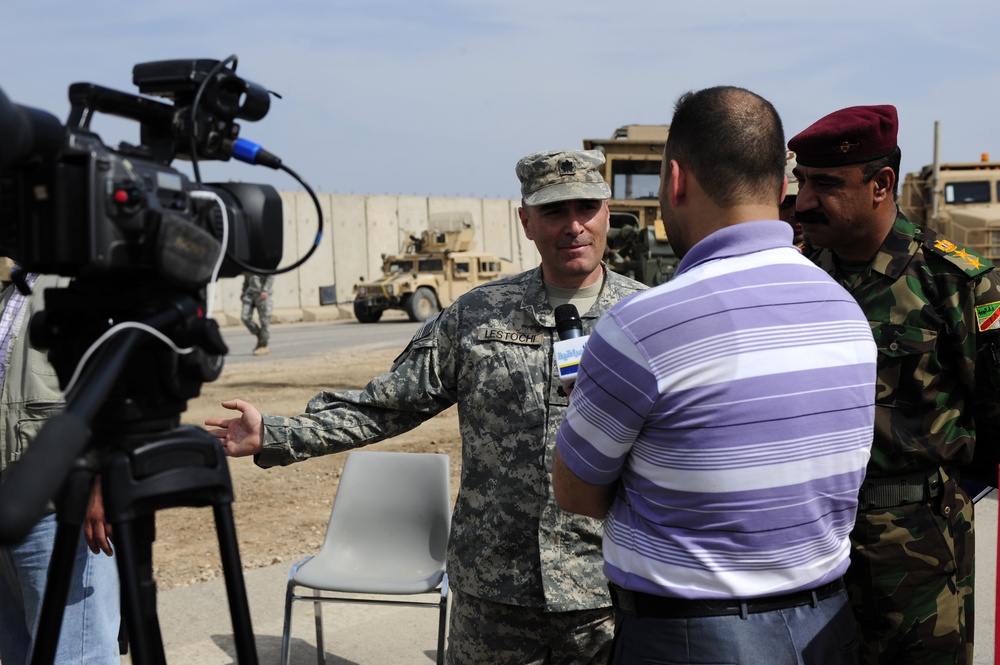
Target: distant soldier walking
[{"x": 257, "y": 294}]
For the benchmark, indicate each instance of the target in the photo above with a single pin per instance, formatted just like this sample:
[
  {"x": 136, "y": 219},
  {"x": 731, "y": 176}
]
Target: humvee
[{"x": 430, "y": 272}]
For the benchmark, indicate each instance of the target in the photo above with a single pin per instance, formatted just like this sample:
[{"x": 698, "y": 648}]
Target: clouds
[{"x": 442, "y": 97}]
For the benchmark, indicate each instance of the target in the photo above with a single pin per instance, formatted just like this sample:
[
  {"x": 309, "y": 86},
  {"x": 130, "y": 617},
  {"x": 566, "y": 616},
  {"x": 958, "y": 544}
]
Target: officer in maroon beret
[{"x": 934, "y": 308}]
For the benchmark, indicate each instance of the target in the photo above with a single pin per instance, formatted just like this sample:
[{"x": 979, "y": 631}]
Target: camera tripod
[{"x": 146, "y": 461}]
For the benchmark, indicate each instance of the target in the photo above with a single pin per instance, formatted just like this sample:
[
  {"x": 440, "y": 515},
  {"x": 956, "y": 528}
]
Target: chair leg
[
  {"x": 286, "y": 632},
  {"x": 442, "y": 620},
  {"x": 318, "y": 611}
]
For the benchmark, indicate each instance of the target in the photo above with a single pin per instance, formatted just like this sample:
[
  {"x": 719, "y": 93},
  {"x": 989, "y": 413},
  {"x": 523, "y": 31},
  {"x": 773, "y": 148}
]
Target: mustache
[{"x": 814, "y": 216}]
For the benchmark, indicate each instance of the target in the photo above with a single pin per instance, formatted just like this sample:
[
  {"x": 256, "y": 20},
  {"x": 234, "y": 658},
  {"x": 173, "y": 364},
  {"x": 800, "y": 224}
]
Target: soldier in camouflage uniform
[
  {"x": 257, "y": 295},
  {"x": 933, "y": 307},
  {"x": 526, "y": 578}
]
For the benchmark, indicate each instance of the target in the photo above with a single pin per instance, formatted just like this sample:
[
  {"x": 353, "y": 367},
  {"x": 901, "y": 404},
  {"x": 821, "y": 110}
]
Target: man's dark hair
[
  {"x": 733, "y": 142},
  {"x": 892, "y": 160}
]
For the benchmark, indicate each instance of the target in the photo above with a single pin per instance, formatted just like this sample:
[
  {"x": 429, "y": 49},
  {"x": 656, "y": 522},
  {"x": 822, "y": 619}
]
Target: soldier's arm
[
  {"x": 986, "y": 455},
  {"x": 416, "y": 389}
]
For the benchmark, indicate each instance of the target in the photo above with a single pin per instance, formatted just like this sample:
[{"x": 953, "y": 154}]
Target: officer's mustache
[{"x": 814, "y": 216}]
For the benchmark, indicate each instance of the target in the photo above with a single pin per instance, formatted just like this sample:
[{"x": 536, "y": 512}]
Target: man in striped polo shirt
[{"x": 721, "y": 422}]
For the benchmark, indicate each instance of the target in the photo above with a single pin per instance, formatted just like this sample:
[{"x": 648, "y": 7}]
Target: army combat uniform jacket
[
  {"x": 934, "y": 309},
  {"x": 253, "y": 284},
  {"x": 491, "y": 354}
]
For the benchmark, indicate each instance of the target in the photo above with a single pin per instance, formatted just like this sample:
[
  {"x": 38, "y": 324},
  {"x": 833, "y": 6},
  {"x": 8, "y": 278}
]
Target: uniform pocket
[
  {"x": 907, "y": 364},
  {"x": 506, "y": 387}
]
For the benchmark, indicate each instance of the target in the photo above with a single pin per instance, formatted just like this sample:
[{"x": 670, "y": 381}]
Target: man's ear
[
  {"x": 883, "y": 185},
  {"x": 678, "y": 183},
  {"x": 523, "y": 216}
]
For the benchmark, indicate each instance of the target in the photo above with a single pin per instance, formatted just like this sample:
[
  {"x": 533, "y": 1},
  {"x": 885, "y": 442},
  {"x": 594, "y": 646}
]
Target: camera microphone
[{"x": 569, "y": 349}]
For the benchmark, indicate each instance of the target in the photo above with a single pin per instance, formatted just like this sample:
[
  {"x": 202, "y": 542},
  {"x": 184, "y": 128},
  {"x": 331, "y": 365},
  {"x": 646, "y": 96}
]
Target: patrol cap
[
  {"x": 793, "y": 182},
  {"x": 849, "y": 136},
  {"x": 561, "y": 175}
]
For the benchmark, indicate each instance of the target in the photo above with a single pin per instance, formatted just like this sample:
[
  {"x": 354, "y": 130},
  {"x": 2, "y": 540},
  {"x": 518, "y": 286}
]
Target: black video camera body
[{"x": 72, "y": 206}]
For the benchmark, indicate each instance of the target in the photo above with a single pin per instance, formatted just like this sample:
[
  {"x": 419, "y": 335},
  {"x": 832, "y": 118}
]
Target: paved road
[
  {"x": 300, "y": 340},
  {"x": 986, "y": 578}
]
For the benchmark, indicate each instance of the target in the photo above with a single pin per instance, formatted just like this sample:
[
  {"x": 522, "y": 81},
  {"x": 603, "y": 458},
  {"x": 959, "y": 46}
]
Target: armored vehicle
[
  {"x": 960, "y": 200},
  {"x": 431, "y": 270},
  {"x": 637, "y": 241}
]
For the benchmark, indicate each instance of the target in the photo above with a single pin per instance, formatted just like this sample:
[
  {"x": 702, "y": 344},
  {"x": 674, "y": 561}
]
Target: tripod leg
[
  {"x": 72, "y": 508},
  {"x": 56, "y": 592},
  {"x": 246, "y": 648},
  {"x": 134, "y": 549}
]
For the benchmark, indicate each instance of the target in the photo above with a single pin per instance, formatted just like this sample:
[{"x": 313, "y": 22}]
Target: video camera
[
  {"x": 70, "y": 205},
  {"x": 131, "y": 336}
]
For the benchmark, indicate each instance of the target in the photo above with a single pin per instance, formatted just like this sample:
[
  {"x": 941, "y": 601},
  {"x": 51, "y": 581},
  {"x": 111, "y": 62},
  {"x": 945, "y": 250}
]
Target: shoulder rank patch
[
  {"x": 509, "y": 336},
  {"x": 968, "y": 261},
  {"x": 988, "y": 316}
]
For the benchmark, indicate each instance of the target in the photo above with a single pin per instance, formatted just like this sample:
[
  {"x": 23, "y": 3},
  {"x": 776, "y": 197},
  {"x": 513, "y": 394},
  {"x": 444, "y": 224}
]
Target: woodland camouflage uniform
[
  {"x": 491, "y": 354},
  {"x": 934, "y": 309}
]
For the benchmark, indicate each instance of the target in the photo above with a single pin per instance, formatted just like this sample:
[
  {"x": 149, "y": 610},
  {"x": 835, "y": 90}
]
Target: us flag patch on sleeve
[{"x": 988, "y": 316}]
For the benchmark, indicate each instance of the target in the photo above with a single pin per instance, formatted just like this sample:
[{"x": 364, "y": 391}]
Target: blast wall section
[{"x": 357, "y": 231}]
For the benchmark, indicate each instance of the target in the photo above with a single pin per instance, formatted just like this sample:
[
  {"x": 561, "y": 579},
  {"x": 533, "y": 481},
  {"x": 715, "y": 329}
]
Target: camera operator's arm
[
  {"x": 239, "y": 436},
  {"x": 96, "y": 529}
]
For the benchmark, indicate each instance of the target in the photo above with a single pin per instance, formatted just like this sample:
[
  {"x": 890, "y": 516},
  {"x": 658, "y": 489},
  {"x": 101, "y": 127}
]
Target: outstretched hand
[{"x": 239, "y": 436}]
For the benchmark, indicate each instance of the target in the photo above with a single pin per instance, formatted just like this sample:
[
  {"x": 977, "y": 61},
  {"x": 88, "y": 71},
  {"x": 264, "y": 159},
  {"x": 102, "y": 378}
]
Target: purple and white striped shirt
[{"x": 736, "y": 405}]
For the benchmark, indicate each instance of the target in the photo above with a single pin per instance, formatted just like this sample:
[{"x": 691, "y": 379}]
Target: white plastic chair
[{"x": 387, "y": 535}]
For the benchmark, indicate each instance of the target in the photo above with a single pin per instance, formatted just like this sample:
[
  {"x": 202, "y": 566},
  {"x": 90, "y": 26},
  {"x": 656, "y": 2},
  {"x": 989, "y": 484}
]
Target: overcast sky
[{"x": 441, "y": 97}]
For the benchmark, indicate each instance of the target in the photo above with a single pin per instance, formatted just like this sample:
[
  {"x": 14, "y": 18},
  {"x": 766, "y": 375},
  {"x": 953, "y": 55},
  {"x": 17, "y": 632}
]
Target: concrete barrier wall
[{"x": 357, "y": 231}]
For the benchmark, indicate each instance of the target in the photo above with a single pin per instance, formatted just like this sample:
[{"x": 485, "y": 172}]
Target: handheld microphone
[
  {"x": 569, "y": 348},
  {"x": 568, "y": 323}
]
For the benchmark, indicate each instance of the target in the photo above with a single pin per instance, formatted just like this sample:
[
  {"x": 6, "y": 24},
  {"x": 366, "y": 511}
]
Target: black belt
[
  {"x": 661, "y": 607},
  {"x": 894, "y": 491}
]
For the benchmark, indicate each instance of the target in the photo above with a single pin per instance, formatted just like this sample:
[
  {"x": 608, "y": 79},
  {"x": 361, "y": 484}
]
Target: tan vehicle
[
  {"x": 960, "y": 200},
  {"x": 430, "y": 272},
  {"x": 637, "y": 242}
]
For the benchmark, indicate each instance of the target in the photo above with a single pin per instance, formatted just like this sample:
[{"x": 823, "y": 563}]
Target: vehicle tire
[
  {"x": 364, "y": 314},
  {"x": 422, "y": 305}
]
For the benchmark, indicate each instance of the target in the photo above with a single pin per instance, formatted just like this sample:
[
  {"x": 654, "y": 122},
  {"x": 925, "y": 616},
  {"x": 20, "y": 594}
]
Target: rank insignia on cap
[
  {"x": 846, "y": 147},
  {"x": 988, "y": 316}
]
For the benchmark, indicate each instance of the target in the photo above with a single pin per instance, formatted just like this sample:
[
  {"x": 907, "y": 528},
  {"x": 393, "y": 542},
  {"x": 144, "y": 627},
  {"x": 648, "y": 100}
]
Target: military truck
[
  {"x": 430, "y": 272},
  {"x": 960, "y": 200},
  {"x": 637, "y": 241}
]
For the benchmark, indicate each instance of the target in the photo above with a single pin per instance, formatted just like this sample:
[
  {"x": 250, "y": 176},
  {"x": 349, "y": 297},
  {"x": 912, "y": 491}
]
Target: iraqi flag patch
[{"x": 988, "y": 316}]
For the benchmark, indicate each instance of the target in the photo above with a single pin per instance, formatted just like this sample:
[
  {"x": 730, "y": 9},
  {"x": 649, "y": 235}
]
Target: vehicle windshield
[
  {"x": 975, "y": 191},
  {"x": 631, "y": 180},
  {"x": 431, "y": 265},
  {"x": 396, "y": 267}
]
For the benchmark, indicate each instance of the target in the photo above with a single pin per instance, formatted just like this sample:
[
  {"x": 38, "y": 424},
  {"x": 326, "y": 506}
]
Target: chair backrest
[{"x": 391, "y": 514}]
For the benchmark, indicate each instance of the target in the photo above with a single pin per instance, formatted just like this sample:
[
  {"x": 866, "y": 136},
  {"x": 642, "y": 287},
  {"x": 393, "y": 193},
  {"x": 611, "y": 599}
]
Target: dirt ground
[{"x": 280, "y": 513}]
